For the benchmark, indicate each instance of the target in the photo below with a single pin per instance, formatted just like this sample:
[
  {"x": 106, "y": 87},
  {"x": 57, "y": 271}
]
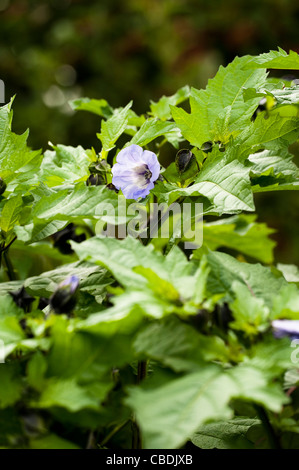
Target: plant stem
[
  {"x": 9, "y": 267},
  {"x": 113, "y": 432},
  {"x": 136, "y": 432},
  {"x": 272, "y": 437}
]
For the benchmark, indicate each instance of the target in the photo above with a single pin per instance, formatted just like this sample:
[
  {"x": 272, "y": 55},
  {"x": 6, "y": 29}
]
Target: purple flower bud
[
  {"x": 135, "y": 171},
  {"x": 63, "y": 299},
  {"x": 288, "y": 328}
]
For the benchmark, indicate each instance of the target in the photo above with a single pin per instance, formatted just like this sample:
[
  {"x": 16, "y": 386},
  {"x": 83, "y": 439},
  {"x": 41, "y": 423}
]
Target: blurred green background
[{"x": 57, "y": 50}]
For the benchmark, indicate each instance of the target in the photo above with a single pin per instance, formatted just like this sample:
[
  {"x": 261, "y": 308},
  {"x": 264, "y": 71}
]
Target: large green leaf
[
  {"x": 279, "y": 123},
  {"x": 121, "y": 256},
  {"x": 178, "y": 345},
  {"x": 224, "y": 270},
  {"x": 14, "y": 153},
  {"x": 220, "y": 110},
  {"x": 161, "y": 109},
  {"x": 271, "y": 172},
  {"x": 10, "y": 215},
  {"x": 153, "y": 128},
  {"x": 80, "y": 201},
  {"x": 224, "y": 181},
  {"x": 170, "y": 414},
  {"x": 112, "y": 129},
  {"x": 230, "y": 434},
  {"x": 64, "y": 164},
  {"x": 242, "y": 234},
  {"x": 275, "y": 60}
]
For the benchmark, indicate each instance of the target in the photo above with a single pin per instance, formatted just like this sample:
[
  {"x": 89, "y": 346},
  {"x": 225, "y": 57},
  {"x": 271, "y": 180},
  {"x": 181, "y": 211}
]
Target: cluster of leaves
[{"x": 165, "y": 346}]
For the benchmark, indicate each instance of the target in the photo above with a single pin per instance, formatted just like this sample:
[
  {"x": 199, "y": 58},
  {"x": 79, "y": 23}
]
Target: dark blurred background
[{"x": 57, "y": 50}]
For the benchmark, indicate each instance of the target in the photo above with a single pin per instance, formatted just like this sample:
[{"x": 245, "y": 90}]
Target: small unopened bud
[
  {"x": 112, "y": 188},
  {"x": 22, "y": 299},
  {"x": 207, "y": 147},
  {"x": 220, "y": 145},
  {"x": 62, "y": 238},
  {"x": 64, "y": 298},
  {"x": 95, "y": 180},
  {"x": 261, "y": 107},
  {"x": 183, "y": 160},
  {"x": 2, "y": 186}
]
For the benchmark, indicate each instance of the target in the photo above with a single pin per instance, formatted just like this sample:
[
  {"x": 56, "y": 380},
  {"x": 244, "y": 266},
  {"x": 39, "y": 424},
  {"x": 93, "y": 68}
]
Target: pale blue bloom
[
  {"x": 71, "y": 282},
  {"x": 286, "y": 328},
  {"x": 135, "y": 171}
]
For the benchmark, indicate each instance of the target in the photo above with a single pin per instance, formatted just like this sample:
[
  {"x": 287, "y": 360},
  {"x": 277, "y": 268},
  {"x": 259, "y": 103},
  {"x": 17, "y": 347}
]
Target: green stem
[
  {"x": 136, "y": 432},
  {"x": 113, "y": 432},
  {"x": 272, "y": 437},
  {"x": 11, "y": 273}
]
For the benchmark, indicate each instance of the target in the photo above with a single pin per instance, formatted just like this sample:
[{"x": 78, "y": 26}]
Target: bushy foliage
[{"x": 158, "y": 346}]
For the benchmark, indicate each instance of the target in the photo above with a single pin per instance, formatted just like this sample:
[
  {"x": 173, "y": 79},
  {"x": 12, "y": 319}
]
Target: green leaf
[
  {"x": 153, "y": 128},
  {"x": 275, "y": 60},
  {"x": 10, "y": 215},
  {"x": 81, "y": 201},
  {"x": 289, "y": 271},
  {"x": 66, "y": 394},
  {"x": 282, "y": 122},
  {"x": 286, "y": 303},
  {"x": 250, "y": 313},
  {"x": 112, "y": 129},
  {"x": 271, "y": 172},
  {"x": 223, "y": 181},
  {"x": 38, "y": 230},
  {"x": 220, "y": 107},
  {"x": 64, "y": 164},
  {"x": 120, "y": 256},
  {"x": 99, "y": 107},
  {"x": 170, "y": 414},
  {"x": 14, "y": 153},
  {"x": 242, "y": 234},
  {"x": 11, "y": 385},
  {"x": 178, "y": 345},
  {"x": 52, "y": 441},
  {"x": 230, "y": 434},
  {"x": 161, "y": 109},
  {"x": 224, "y": 270}
]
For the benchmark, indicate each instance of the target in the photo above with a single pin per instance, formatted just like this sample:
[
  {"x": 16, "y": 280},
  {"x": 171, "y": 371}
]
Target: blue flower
[
  {"x": 288, "y": 328},
  {"x": 135, "y": 171},
  {"x": 64, "y": 299}
]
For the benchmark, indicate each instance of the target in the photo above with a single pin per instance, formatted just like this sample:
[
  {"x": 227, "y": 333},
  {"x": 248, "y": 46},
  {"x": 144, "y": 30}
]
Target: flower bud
[
  {"x": 64, "y": 298},
  {"x": 220, "y": 145},
  {"x": 2, "y": 186},
  {"x": 183, "y": 160},
  {"x": 207, "y": 147},
  {"x": 62, "y": 237},
  {"x": 95, "y": 180},
  {"x": 222, "y": 315},
  {"x": 112, "y": 188},
  {"x": 22, "y": 299},
  {"x": 261, "y": 107}
]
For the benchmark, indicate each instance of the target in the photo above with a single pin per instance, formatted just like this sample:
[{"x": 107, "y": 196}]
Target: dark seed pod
[
  {"x": 64, "y": 298},
  {"x": 160, "y": 178},
  {"x": 22, "y": 299},
  {"x": 2, "y": 186},
  {"x": 99, "y": 167},
  {"x": 62, "y": 237},
  {"x": 95, "y": 180},
  {"x": 201, "y": 319},
  {"x": 183, "y": 160},
  {"x": 112, "y": 188},
  {"x": 222, "y": 315},
  {"x": 207, "y": 147},
  {"x": 43, "y": 303},
  {"x": 261, "y": 107}
]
